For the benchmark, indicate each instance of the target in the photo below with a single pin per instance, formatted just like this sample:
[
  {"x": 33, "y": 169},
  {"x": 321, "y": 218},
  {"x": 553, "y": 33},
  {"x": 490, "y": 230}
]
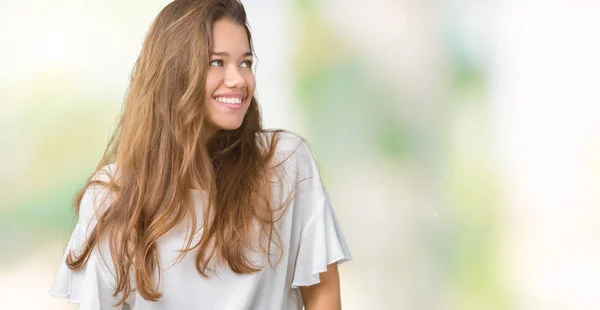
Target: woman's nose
[{"x": 234, "y": 79}]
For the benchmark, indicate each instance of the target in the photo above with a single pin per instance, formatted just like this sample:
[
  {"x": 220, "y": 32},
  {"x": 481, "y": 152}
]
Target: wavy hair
[{"x": 161, "y": 153}]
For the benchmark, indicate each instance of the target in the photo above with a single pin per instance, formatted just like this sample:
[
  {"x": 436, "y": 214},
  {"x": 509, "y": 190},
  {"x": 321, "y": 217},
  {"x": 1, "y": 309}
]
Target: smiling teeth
[{"x": 229, "y": 100}]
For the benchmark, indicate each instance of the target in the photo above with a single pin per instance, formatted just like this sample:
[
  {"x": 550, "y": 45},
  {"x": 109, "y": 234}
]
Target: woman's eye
[
  {"x": 216, "y": 63},
  {"x": 246, "y": 64}
]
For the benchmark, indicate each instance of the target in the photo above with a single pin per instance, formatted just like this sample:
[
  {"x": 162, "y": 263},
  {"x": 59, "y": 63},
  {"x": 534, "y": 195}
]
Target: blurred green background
[{"x": 459, "y": 140}]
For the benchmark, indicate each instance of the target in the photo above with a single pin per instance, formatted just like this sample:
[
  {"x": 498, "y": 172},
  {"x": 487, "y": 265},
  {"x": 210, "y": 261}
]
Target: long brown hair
[{"x": 161, "y": 153}]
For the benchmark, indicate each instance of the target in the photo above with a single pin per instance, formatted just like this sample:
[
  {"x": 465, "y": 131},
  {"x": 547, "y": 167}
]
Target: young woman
[{"x": 194, "y": 205}]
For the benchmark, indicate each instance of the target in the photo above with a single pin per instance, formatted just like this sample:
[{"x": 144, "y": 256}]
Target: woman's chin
[{"x": 230, "y": 125}]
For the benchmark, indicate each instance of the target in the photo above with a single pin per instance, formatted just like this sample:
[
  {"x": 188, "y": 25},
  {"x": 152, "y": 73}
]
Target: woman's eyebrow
[{"x": 225, "y": 54}]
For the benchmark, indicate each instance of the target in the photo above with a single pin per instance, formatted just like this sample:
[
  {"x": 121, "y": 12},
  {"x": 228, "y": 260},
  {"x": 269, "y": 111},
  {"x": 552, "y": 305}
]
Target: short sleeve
[
  {"x": 321, "y": 240},
  {"x": 92, "y": 286}
]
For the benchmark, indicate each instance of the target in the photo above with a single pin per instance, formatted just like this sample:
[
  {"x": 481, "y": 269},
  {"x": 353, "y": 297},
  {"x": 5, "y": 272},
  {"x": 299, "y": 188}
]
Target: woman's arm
[{"x": 326, "y": 294}]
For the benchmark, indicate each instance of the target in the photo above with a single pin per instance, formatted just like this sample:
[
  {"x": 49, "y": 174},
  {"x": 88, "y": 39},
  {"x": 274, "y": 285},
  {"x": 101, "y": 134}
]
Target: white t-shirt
[{"x": 309, "y": 231}]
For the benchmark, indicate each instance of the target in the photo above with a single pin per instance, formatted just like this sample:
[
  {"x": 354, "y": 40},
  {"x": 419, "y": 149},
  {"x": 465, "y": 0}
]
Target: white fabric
[{"x": 309, "y": 230}]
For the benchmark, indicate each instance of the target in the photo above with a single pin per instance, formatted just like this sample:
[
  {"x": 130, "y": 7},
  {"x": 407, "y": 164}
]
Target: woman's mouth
[{"x": 233, "y": 102}]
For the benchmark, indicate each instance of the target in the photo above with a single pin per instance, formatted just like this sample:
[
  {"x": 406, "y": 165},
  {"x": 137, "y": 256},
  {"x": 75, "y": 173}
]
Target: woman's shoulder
[
  {"x": 106, "y": 173},
  {"x": 102, "y": 180},
  {"x": 98, "y": 194},
  {"x": 293, "y": 153},
  {"x": 286, "y": 142}
]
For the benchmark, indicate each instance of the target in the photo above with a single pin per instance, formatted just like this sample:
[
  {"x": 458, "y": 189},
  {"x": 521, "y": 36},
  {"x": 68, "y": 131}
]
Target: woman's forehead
[{"x": 229, "y": 37}]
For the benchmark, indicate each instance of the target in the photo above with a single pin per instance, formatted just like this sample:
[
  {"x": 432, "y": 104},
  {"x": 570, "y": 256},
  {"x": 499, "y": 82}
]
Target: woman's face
[{"x": 230, "y": 80}]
